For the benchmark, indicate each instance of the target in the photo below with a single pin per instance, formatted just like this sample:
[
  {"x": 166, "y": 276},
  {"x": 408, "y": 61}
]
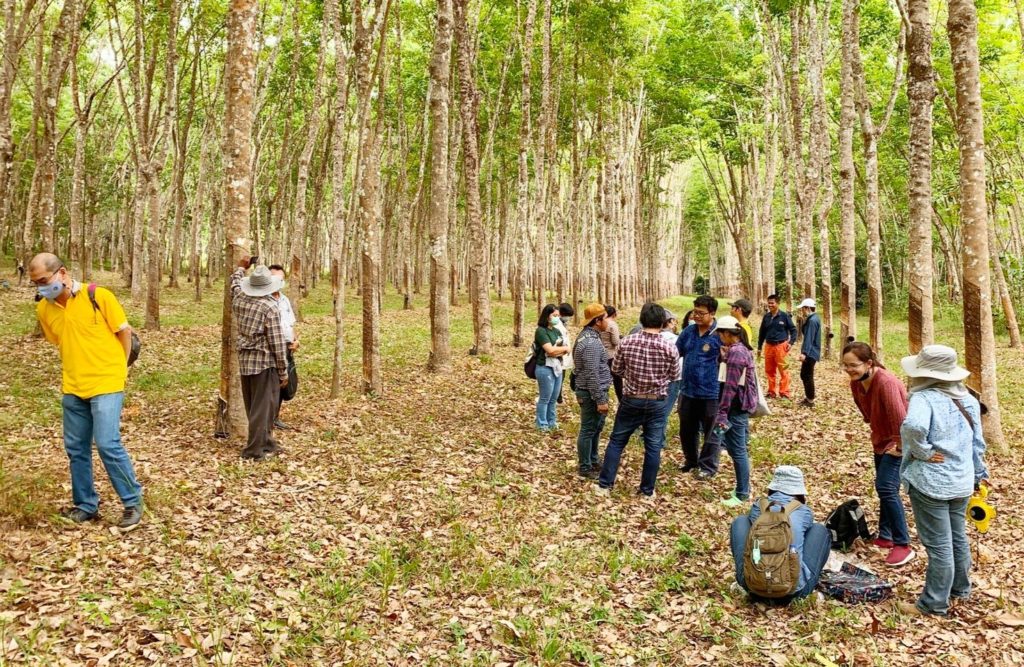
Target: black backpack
[{"x": 847, "y": 523}]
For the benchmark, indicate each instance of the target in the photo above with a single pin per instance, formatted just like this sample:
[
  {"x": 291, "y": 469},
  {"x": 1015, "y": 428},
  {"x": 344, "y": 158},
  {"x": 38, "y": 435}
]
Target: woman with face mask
[
  {"x": 882, "y": 400},
  {"x": 737, "y": 402},
  {"x": 550, "y": 347}
]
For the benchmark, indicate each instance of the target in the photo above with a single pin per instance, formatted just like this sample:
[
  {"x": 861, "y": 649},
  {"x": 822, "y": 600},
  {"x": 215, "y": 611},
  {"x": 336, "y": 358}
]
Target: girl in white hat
[{"x": 943, "y": 462}]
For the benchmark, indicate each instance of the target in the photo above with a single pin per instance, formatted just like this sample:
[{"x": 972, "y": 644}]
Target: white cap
[
  {"x": 807, "y": 303},
  {"x": 727, "y": 323}
]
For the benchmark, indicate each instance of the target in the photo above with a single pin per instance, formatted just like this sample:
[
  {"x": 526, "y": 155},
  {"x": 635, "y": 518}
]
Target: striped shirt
[
  {"x": 260, "y": 341},
  {"x": 646, "y": 363}
]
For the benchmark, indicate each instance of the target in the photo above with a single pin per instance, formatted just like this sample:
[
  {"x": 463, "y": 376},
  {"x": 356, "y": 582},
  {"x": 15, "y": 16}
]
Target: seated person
[{"x": 811, "y": 542}]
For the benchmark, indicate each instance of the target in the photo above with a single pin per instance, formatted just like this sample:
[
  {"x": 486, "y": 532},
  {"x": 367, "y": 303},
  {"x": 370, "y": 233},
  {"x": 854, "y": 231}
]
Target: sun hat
[
  {"x": 728, "y": 323},
  {"x": 262, "y": 282},
  {"x": 808, "y": 303},
  {"x": 669, "y": 315},
  {"x": 593, "y": 311},
  {"x": 935, "y": 361},
  {"x": 788, "y": 480}
]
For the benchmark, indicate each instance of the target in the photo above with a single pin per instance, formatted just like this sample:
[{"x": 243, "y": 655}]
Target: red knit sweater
[{"x": 884, "y": 406}]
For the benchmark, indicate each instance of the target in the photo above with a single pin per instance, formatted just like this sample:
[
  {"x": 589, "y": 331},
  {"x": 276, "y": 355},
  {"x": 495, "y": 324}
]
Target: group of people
[
  {"x": 89, "y": 327},
  {"x": 931, "y": 442}
]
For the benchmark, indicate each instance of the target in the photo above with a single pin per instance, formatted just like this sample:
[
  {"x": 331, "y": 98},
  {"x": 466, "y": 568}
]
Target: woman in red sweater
[{"x": 882, "y": 400}]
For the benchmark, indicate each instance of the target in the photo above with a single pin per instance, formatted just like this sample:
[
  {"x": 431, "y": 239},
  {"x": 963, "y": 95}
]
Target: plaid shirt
[
  {"x": 739, "y": 363},
  {"x": 592, "y": 374},
  {"x": 261, "y": 343},
  {"x": 647, "y": 363}
]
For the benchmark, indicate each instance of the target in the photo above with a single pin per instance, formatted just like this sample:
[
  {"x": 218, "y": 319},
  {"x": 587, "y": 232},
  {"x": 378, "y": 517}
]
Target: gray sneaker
[
  {"x": 130, "y": 517},
  {"x": 76, "y": 515}
]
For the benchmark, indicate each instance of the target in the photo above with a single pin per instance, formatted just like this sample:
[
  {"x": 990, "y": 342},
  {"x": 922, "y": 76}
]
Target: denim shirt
[
  {"x": 811, "y": 347},
  {"x": 800, "y": 520},
  {"x": 935, "y": 424},
  {"x": 700, "y": 361}
]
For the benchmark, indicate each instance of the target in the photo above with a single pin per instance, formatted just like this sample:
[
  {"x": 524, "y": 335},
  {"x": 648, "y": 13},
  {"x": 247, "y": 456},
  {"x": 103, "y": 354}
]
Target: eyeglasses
[
  {"x": 851, "y": 367},
  {"x": 700, "y": 313},
  {"x": 41, "y": 282}
]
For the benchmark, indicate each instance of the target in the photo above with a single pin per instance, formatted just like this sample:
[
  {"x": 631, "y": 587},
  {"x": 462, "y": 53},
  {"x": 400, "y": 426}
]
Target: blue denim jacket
[
  {"x": 812, "y": 337},
  {"x": 800, "y": 521},
  {"x": 935, "y": 424},
  {"x": 700, "y": 361}
]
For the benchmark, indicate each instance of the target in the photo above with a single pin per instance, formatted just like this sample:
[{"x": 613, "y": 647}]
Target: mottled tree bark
[{"x": 523, "y": 183}]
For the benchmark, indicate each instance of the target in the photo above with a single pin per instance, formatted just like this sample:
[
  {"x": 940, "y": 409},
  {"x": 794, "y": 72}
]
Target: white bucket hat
[
  {"x": 262, "y": 282},
  {"x": 727, "y": 323},
  {"x": 788, "y": 480},
  {"x": 808, "y": 303},
  {"x": 935, "y": 361}
]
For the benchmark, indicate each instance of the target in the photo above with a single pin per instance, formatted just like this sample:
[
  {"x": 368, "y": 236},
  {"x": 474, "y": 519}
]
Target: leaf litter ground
[{"x": 434, "y": 526}]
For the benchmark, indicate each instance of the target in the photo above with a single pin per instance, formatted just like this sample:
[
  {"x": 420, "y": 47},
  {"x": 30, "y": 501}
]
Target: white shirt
[
  {"x": 567, "y": 361},
  {"x": 287, "y": 318}
]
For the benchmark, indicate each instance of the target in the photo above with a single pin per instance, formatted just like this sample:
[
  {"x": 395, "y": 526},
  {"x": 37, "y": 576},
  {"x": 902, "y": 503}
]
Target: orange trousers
[{"x": 775, "y": 359}]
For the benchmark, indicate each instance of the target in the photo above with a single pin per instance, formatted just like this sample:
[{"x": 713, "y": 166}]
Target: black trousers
[
  {"x": 807, "y": 377},
  {"x": 697, "y": 417},
  {"x": 261, "y": 394},
  {"x": 616, "y": 383}
]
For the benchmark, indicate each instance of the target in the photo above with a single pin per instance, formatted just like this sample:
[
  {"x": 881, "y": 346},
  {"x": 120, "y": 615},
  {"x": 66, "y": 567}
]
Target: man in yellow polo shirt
[{"x": 94, "y": 342}]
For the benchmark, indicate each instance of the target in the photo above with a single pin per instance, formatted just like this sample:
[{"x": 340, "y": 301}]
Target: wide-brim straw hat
[
  {"x": 262, "y": 282},
  {"x": 935, "y": 361}
]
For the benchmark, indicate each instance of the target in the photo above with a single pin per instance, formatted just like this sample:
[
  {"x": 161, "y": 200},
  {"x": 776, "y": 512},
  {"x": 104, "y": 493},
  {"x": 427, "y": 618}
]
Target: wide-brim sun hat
[
  {"x": 788, "y": 480},
  {"x": 727, "y": 323},
  {"x": 935, "y": 361},
  {"x": 262, "y": 282}
]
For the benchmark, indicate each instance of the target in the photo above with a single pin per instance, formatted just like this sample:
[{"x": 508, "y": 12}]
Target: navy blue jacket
[
  {"x": 700, "y": 361},
  {"x": 777, "y": 329},
  {"x": 811, "y": 346}
]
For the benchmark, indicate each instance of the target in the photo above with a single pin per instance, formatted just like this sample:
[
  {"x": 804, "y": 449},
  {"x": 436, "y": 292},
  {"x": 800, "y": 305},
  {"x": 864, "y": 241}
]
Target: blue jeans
[
  {"x": 736, "y": 444},
  {"x": 97, "y": 419},
  {"x": 673, "y": 399},
  {"x": 817, "y": 545},
  {"x": 549, "y": 385},
  {"x": 634, "y": 413},
  {"x": 892, "y": 521},
  {"x": 591, "y": 425},
  {"x": 941, "y": 527}
]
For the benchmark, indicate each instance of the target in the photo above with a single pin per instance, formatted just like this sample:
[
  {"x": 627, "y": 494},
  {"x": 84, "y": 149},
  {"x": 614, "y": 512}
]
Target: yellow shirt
[
  {"x": 750, "y": 334},
  {"x": 92, "y": 357}
]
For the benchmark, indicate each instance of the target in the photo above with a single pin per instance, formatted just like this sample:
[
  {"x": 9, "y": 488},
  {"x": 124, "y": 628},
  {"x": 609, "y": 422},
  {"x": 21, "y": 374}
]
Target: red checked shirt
[{"x": 647, "y": 363}]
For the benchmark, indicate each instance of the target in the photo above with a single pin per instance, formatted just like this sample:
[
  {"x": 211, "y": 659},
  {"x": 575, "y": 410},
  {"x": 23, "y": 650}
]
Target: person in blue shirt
[
  {"x": 779, "y": 333},
  {"x": 811, "y": 541},
  {"x": 810, "y": 349},
  {"x": 943, "y": 461},
  {"x": 699, "y": 346}
]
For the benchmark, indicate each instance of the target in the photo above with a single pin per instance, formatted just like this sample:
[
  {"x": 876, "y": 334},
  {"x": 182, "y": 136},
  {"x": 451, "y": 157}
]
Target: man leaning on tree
[
  {"x": 262, "y": 354},
  {"x": 94, "y": 338}
]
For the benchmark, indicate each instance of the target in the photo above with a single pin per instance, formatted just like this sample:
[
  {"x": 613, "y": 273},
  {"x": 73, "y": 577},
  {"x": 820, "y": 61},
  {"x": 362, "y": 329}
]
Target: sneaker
[
  {"x": 703, "y": 474},
  {"x": 908, "y": 609},
  {"x": 649, "y": 499},
  {"x": 882, "y": 543},
  {"x": 807, "y": 403},
  {"x": 688, "y": 467},
  {"x": 273, "y": 450},
  {"x": 131, "y": 516},
  {"x": 602, "y": 492},
  {"x": 590, "y": 473},
  {"x": 278, "y": 424},
  {"x": 738, "y": 591},
  {"x": 899, "y": 555},
  {"x": 76, "y": 515},
  {"x": 733, "y": 501},
  {"x": 253, "y": 456},
  {"x": 771, "y": 395}
]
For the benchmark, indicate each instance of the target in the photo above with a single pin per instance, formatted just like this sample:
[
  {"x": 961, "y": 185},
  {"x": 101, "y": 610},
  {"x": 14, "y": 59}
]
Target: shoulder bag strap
[{"x": 960, "y": 406}]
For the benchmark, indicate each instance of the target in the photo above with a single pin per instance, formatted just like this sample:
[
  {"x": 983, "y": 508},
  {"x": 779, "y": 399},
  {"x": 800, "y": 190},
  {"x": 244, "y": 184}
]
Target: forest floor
[{"x": 432, "y": 525}]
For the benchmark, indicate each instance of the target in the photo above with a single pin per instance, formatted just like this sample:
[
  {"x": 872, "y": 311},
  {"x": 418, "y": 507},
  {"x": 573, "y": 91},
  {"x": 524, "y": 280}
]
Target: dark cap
[{"x": 744, "y": 305}]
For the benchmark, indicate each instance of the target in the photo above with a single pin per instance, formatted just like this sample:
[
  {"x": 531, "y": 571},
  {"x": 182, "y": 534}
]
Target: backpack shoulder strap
[
  {"x": 960, "y": 406},
  {"x": 91, "y": 290},
  {"x": 791, "y": 507},
  {"x": 763, "y": 504}
]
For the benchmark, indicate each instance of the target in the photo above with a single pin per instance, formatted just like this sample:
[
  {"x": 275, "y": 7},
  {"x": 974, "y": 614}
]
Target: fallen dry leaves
[{"x": 433, "y": 526}]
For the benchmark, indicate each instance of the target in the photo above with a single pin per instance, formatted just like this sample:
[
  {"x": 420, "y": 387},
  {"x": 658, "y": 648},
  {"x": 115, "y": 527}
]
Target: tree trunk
[
  {"x": 338, "y": 264},
  {"x": 240, "y": 72},
  {"x": 847, "y": 174},
  {"x": 523, "y": 183},
  {"x": 479, "y": 266},
  {"x": 979, "y": 334},
  {"x": 920, "y": 93},
  {"x": 1012, "y": 327},
  {"x": 440, "y": 97}
]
